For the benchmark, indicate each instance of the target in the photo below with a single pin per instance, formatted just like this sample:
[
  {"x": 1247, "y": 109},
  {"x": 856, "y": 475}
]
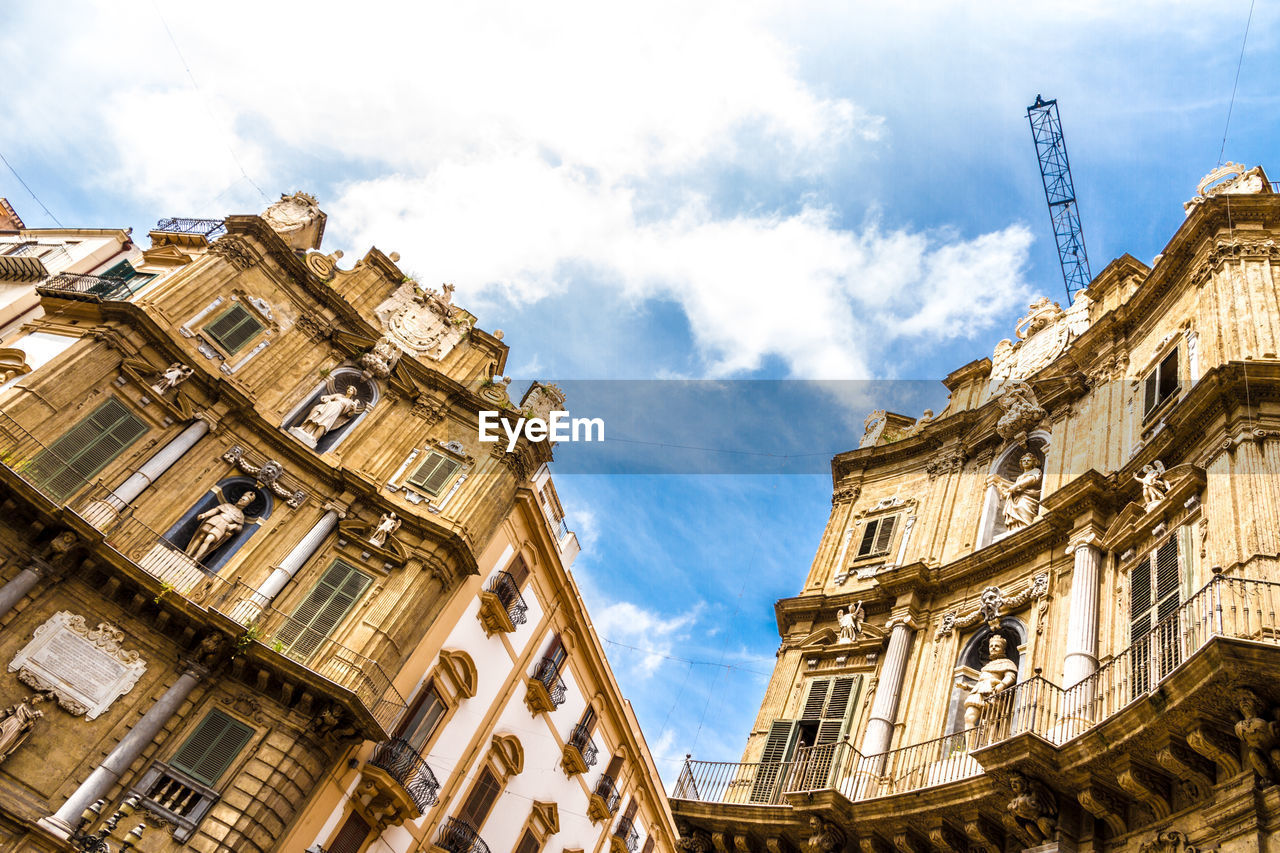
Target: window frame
[
  {"x": 52, "y": 454},
  {"x": 232, "y": 724},
  {"x": 249, "y": 313},
  {"x": 871, "y": 530},
  {"x": 353, "y": 570},
  {"x": 1154, "y": 377},
  {"x": 419, "y": 464}
]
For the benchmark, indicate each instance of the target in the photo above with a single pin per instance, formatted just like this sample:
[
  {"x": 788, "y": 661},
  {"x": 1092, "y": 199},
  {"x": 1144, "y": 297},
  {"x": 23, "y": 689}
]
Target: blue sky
[{"x": 662, "y": 191}]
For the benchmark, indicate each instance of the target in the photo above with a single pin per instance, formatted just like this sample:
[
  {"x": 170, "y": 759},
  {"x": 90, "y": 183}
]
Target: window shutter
[
  {"x": 480, "y": 800},
  {"x": 88, "y": 447},
  {"x": 835, "y": 715},
  {"x": 323, "y": 608},
  {"x": 615, "y": 766},
  {"x": 777, "y": 750},
  {"x": 211, "y": 748},
  {"x": 588, "y": 720},
  {"x": 816, "y": 700},
  {"x": 234, "y": 328},
  {"x": 434, "y": 473},
  {"x": 1166, "y": 564},
  {"x": 1149, "y": 386},
  {"x": 648, "y": 845},
  {"x": 426, "y": 714},
  {"x": 528, "y": 843},
  {"x": 123, "y": 271},
  {"x": 519, "y": 571},
  {"x": 1140, "y": 598},
  {"x": 352, "y": 835},
  {"x": 868, "y": 538},
  {"x": 885, "y": 536},
  {"x": 630, "y": 813}
]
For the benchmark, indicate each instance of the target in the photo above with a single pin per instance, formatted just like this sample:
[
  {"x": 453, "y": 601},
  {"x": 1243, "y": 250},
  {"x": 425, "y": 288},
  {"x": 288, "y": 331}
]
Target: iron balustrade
[
  {"x": 607, "y": 790},
  {"x": 548, "y": 672},
  {"x": 92, "y": 288},
  {"x": 207, "y": 228},
  {"x": 176, "y": 797},
  {"x": 458, "y": 836},
  {"x": 581, "y": 741},
  {"x": 404, "y": 764},
  {"x": 1230, "y": 607},
  {"x": 628, "y": 833},
  {"x": 504, "y": 587}
]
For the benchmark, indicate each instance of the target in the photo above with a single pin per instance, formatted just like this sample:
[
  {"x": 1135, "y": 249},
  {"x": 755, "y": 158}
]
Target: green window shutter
[
  {"x": 333, "y": 596},
  {"x": 234, "y": 328},
  {"x": 816, "y": 700},
  {"x": 884, "y": 537},
  {"x": 868, "y": 538},
  {"x": 85, "y": 449},
  {"x": 212, "y": 747},
  {"x": 433, "y": 473},
  {"x": 835, "y": 717},
  {"x": 777, "y": 750}
]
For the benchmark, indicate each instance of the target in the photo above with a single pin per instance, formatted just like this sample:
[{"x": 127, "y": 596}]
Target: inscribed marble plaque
[{"x": 86, "y": 668}]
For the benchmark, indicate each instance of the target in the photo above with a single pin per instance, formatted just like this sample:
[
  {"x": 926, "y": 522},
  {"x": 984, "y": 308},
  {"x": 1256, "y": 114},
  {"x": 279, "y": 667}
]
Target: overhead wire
[
  {"x": 32, "y": 192},
  {"x": 1236, "y": 84}
]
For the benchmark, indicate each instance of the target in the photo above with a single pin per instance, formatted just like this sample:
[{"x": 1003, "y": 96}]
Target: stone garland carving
[
  {"x": 237, "y": 251},
  {"x": 992, "y": 604},
  {"x": 945, "y": 462},
  {"x": 314, "y": 327},
  {"x": 1034, "y": 808},
  {"x": 1022, "y": 412},
  {"x": 87, "y": 669},
  {"x": 16, "y": 723},
  {"x": 1109, "y": 369},
  {"x": 845, "y": 494},
  {"x": 267, "y": 475},
  {"x": 1154, "y": 485},
  {"x": 429, "y": 409}
]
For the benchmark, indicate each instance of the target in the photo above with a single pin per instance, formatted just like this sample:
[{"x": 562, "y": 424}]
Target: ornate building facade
[
  {"x": 1046, "y": 618},
  {"x": 262, "y": 588}
]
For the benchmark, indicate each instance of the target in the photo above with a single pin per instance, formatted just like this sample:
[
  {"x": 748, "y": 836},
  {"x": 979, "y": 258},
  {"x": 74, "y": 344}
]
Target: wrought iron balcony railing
[
  {"x": 458, "y": 836},
  {"x": 90, "y": 288},
  {"x": 1230, "y": 607},
  {"x": 548, "y": 672},
  {"x": 207, "y": 228},
  {"x": 176, "y": 797},
  {"x": 504, "y": 586},
  {"x": 627, "y": 832},
  {"x": 581, "y": 741},
  {"x": 607, "y": 790},
  {"x": 405, "y": 765}
]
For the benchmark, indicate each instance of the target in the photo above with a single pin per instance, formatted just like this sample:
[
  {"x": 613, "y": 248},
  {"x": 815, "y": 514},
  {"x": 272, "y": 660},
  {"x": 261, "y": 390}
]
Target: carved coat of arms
[{"x": 1042, "y": 336}]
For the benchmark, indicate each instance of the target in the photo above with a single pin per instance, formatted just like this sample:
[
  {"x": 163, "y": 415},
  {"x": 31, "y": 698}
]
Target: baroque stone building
[
  {"x": 1046, "y": 618},
  {"x": 262, "y": 588}
]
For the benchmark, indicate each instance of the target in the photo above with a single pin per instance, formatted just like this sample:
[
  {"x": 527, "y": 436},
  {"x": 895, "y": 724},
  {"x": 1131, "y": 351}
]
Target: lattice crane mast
[{"x": 1055, "y": 171}]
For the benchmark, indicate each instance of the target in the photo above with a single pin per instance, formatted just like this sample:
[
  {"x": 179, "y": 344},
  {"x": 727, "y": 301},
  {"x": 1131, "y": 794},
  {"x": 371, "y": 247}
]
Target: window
[
  {"x": 588, "y": 721},
  {"x": 648, "y": 845},
  {"x": 1160, "y": 384},
  {"x": 1154, "y": 587},
  {"x": 85, "y": 449},
  {"x": 211, "y": 748},
  {"x": 352, "y": 835},
  {"x": 125, "y": 272},
  {"x": 519, "y": 571},
  {"x": 422, "y": 720},
  {"x": 481, "y": 799},
  {"x": 556, "y": 652},
  {"x": 528, "y": 843},
  {"x": 778, "y": 748},
  {"x": 434, "y": 473},
  {"x": 234, "y": 328},
  {"x": 322, "y": 610},
  {"x": 877, "y": 537}
]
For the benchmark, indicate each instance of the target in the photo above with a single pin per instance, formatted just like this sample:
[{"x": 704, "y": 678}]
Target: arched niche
[
  {"x": 226, "y": 491},
  {"x": 337, "y": 382},
  {"x": 1007, "y": 466},
  {"x": 974, "y": 655}
]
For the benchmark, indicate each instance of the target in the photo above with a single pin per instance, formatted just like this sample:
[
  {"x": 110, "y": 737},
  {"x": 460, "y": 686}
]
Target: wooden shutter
[
  {"x": 556, "y": 652},
  {"x": 352, "y": 835},
  {"x": 648, "y": 845},
  {"x": 322, "y": 610},
  {"x": 630, "y": 813},
  {"x": 1139, "y": 599},
  {"x": 816, "y": 700},
  {"x": 519, "y": 571},
  {"x": 884, "y": 538},
  {"x": 480, "y": 800},
  {"x": 433, "y": 473},
  {"x": 85, "y": 449},
  {"x": 588, "y": 720},
  {"x": 777, "y": 750},
  {"x": 234, "y": 328},
  {"x": 1166, "y": 578},
  {"x": 615, "y": 766},
  {"x": 211, "y": 748},
  {"x": 868, "y": 538},
  {"x": 423, "y": 719},
  {"x": 528, "y": 843},
  {"x": 1149, "y": 387}
]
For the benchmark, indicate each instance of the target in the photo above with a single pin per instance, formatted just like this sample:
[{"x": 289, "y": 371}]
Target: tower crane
[{"x": 1055, "y": 171}]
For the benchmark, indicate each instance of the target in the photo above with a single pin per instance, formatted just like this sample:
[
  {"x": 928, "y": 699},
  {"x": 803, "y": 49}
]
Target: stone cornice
[{"x": 814, "y": 607}]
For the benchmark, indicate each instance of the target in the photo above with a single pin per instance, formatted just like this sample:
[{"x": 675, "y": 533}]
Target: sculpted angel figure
[
  {"x": 330, "y": 412},
  {"x": 387, "y": 525},
  {"x": 217, "y": 525},
  {"x": 850, "y": 623},
  {"x": 1260, "y": 736},
  {"x": 998, "y": 675},
  {"x": 1154, "y": 486},
  {"x": 1022, "y": 496},
  {"x": 171, "y": 377},
  {"x": 1033, "y": 808},
  {"x": 16, "y": 723}
]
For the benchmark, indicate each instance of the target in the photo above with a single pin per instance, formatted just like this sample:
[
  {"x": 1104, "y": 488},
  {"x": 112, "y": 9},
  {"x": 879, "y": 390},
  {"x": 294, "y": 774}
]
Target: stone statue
[
  {"x": 16, "y": 723},
  {"x": 1022, "y": 412},
  {"x": 331, "y": 411},
  {"x": 1022, "y": 496},
  {"x": 1033, "y": 808},
  {"x": 171, "y": 377},
  {"x": 217, "y": 525},
  {"x": 824, "y": 836},
  {"x": 382, "y": 357},
  {"x": 998, "y": 675},
  {"x": 1154, "y": 485},
  {"x": 850, "y": 623},
  {"x": 387, "y": 525},
  {"x": 1261, "y": 737}
]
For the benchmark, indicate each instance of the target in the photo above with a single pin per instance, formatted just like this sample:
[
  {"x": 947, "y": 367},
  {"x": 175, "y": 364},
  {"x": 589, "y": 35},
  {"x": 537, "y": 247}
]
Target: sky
[{"x": 739, "y": 192}]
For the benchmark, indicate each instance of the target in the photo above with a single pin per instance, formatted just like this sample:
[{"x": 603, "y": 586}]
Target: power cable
[
  {"x": 1236, "y": 84},
  {"x": 28, "y": 189}
]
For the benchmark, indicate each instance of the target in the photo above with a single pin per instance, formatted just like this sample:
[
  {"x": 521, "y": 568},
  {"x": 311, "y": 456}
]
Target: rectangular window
[
  {"x": 481, "y": 799},
  {"x": 212, "y": 747},
  {"x": 1161, "y": 383},
  {"x": 519, "y": 571},
  {"x": 85, "y": 449},
  {"x": 124, "y": 273},
  {"x": 234, "y": 328},
  {"x": 328, "y": 603},
  {"x": 528, "y": 843},
  {"x": 588, "y": 721},
  {"x": 421, "y": 722},
  {"x": 648, "y": 845},
  {"x": 556, "y": 652},
  {"x": 352, "y": 835},
  {"x": 877, "y": 537},
  {"x": 1155, "y": 583},
  {"x": 434, "y": 473}
]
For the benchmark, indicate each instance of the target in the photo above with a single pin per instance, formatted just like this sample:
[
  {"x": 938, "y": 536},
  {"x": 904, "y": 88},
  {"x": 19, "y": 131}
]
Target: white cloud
[{"x": 654, "y": 634}]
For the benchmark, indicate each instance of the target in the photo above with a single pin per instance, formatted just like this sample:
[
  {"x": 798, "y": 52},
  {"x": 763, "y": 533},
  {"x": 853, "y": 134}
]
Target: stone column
[
  {"x": 302, "y": 552},
  {"x": 19, "y": 585},
  {"x": 126, "y": 752},
  {"x": 1082, "y": 626},
  {"x": 105, "y": 511},
  {"x": 884, "y": 710}
]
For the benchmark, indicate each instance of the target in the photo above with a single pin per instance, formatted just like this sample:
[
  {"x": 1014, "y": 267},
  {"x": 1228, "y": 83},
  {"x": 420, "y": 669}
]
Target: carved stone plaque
[{"x": 86, "y": 668}]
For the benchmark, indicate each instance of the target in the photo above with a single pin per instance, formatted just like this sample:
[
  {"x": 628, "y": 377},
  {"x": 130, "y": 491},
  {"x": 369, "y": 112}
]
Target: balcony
[
  {"x": 87, "y": 288},
  {"x": 625, "y": 838},
  {"x": 158, "y": 568},
  {"x": 210, "y": 229},
  {"x": 502, "y": 607},
  {"x": 174, "y": 797},
  {"x": 604, "y": 799},
  {"x": 545, "y": 689},
  {"x": 458, "y": 836},
  {"x": 580, "y": 752},
  {"x": 395, "y": 785}
]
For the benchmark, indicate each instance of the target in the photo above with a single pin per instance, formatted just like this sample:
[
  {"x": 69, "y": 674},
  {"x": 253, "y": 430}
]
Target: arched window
[
  {"x": 1005, "y": 511},
  {"x": 974, "y": 655},
  {"x": 337, "y": 382},
  {"x": 227, "y": 491}
]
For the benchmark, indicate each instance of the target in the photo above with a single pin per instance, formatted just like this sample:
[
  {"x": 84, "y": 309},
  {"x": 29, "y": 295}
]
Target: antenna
[{"x": 1055, "y": 171}]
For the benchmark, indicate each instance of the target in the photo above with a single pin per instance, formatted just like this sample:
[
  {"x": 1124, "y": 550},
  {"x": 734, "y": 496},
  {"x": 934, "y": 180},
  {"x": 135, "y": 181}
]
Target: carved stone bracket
[
  {"x": 268, "y": 474},
  {"x": 1208, "y": 741},
  {"x": 993, "y": 603},
  {"x": 1191, "y": 768},
  {"x": 1168, "y": 841},
  {"x": 1147, "y": 785},
  {"x": 1105, "y": 806}
]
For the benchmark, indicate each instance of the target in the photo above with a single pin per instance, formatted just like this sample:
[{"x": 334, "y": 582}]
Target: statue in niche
[
  {"x": 217, "y": 525},
  {"x": 16, "y": 723},
  {"x": 1033, "y": 808},
  {"x": 1154, "y": 486},
  {"x": 1022, "y": 496},
  {"x": 387, "y": 525},
  {"x": 850, "y": 623},
  {"x": 1261, "y": 737},
  {"x": 171, "y": 377},
  {"x": 330, "y": 412},
  {"x": 998, "y": 675}
]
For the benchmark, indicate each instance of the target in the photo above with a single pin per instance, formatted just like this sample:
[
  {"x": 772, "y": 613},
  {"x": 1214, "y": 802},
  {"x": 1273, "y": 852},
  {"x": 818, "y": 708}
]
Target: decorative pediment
[
  {"x": 1137, "y": 521},
  {"x": 508, "y": 755},
  {"x": 167, "y": 255},
  {"x": 545, "y": 818},
  {"x": 459, "y": 670},
  {"x": 870, "y": 639},
  {"x": 355, "y": 535}
]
